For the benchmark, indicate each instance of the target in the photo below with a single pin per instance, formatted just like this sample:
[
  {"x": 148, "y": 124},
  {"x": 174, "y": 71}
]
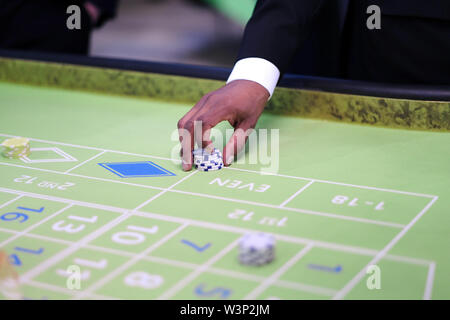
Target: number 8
[
  {"x": 339, "y": 199},
  {"x": 144, "y": 280}
]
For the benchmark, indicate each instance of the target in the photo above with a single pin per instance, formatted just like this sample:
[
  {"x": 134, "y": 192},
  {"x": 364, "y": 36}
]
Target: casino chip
[
  {"x": 15, "y": 148},
  {"x": 205, "y": 161},
  {"x": 256, "y": 249}
]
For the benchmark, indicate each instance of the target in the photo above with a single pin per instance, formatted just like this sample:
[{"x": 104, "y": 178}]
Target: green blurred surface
[{"x": 239, "y": 10}]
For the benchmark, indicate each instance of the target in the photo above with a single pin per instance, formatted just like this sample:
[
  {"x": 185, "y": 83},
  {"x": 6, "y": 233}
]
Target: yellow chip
[
  {"x": 16, "y": 142},
  {"x": 15, "y": 148}
]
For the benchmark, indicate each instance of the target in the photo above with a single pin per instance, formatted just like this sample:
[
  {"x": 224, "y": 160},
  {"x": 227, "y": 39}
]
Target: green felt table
[{"x": 346, "y": 203}]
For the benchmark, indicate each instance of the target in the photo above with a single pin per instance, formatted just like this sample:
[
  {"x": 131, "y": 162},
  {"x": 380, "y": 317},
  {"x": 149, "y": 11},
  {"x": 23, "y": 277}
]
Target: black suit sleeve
[
  {"x": 108, "y": 9},
  {"x": 277, "y": 28}
]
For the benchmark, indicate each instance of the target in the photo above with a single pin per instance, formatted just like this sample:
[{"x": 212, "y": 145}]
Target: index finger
[{"x": 186, "y": 134}]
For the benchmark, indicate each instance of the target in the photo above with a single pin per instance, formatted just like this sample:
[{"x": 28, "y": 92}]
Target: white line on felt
[
  {"x": 304, "y": 211},
  {"x": 211, "y": 225},
  {"x": 354, "y": 281},
  {"x": 7, "y": 203},
  {"x": 93, "y": 148},
  {"x": 336, "y": 183},
  {"x": 186, "y": 265},
  {"x": 177, "y": 160},
  {"x": 223, "y": 272},
  {"x": 197, "y": 272},
  {"x": 84, "y": 162},
  {"x": 277, "y": 274},
  {"x": 40, "y": 237},
  {"x": 305, "y": 287},
  {"x": 138, "y": 257},
  {"x": 37, "y": 224},
  {"x": 64, "y": 200},
  {"x": 359, "y": 251},
  {"x": 129, "y": 263},
  {"x": 408, "y": 260},
  {"x": 234, "y": 274},
  {"x": 278, "y": 283},
  {"x": 240, "y": 230},
  {"x": 164, "y": 191},
  {"x": 175, "y": 263},
  {"x": 80, "y": 176},
  {"x": 230, "y": 168},
  {"x": 61, "y": 255},
  {"x": 79, "y": 244},
  {"x": 107, "y": 250},
  {"x": 296, "y": 194},
  {"x": 430, "y": 281},
  {"x": 47, "y": 286}
]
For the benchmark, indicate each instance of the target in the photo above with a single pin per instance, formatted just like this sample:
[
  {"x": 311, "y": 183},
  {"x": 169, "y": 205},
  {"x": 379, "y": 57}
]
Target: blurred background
[{"x": 205, "y": 32}]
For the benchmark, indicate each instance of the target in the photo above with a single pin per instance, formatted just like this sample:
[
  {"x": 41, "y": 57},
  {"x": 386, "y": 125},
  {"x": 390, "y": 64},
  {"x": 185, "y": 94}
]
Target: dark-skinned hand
[{"x": 240, "y": 102}]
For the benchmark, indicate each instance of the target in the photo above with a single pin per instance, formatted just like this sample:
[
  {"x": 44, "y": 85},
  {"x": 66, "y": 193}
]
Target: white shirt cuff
[{"x": 258, "y": 70}]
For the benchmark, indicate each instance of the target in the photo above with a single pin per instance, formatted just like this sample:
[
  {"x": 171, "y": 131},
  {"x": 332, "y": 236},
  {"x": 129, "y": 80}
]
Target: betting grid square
[{"x": 311, "y": 180}]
